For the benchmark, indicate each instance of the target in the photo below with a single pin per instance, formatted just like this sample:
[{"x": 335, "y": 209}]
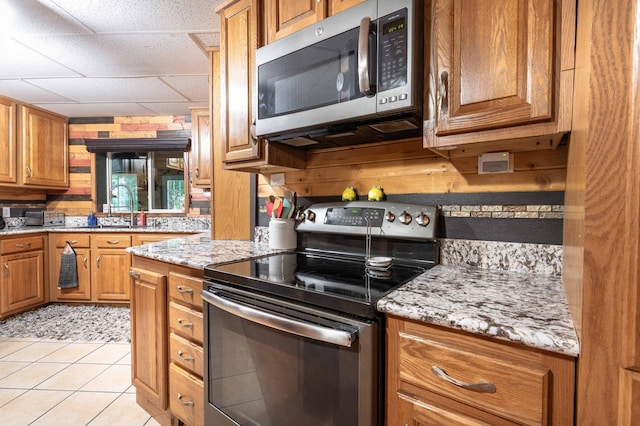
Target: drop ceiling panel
[
  {"x": 28, "y": 92},
  {"x": 115, "y": 55},
  {"x": 95, "y": 90},
  {"x": 40, "y": 18},
  {"x": 190, "y": 86},
  {"x": 19, "y": 61},
  {"x": 149, "y": 15}
]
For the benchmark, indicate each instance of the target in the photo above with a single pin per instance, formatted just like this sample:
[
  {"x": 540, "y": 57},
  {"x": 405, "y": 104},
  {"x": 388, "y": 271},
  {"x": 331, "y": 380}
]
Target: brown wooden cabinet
[
  {"x": 500, "y": 70},
  {"x": 497, "y": 383},
  {"x": 44, "y": 149},
  {"x": 149, "y": 340},
  {"x": 8, "y": 141},
  {"x": 166, "y": 336},
  {"x": 23, "y": 273},
  {"x": 201, "y": 148},
  {"x": 240, "y": 29},
  {"x": 283, "y": 17},
  {"x": 110, "y": 267},
  {"x": 81, "y": 245}
]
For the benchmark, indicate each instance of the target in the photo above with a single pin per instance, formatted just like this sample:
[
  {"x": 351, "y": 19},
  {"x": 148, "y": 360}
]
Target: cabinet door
[
  {"x": 494, "y": 64},
  {"x": 239, "y": 29},
  {"x": 284, "y": 17},
  {"x": 83, "y": 263},
  {"x": 337, "y": 6},
  {"x": 8, "y": 141},
  {"x": 201, "y": 148},
  {"x": 22, "y": 280},
  {"x": 109, "y": 271},
  {"x": 44, "y": 145},
  {"x": 149, "y": 335}
]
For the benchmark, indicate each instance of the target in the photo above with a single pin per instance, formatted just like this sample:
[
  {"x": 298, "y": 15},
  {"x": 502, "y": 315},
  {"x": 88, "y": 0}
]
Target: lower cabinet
[
  {"x": 102, "y": 264},
  {"x": 23, "y": 273},
  {"x": 437, "y": 376},
  {"x": 166, "y": 340}
]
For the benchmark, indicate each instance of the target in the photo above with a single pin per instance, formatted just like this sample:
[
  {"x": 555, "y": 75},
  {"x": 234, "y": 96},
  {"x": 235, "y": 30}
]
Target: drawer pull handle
[
  {"x": 185, "y": 324},
  {"x": 484, "y": 387},
  {"x": 184, "y": 290},
  {"x": 98, "y": 261},
  {"x": 113, "y": 242},
  {"x": 184, "y": 358},
  {"x": 25, "y": 245},
  {"x": 6, "y": 270},
  {"x": 72, "y": 242},
  {"x": 134, "y": 274},
  {"x": 189, "y": 403},
  {"x": 84, "y": 262}
]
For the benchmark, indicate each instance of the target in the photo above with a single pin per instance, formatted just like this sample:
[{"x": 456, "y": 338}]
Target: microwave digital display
[{"x": 389, "y": 27}]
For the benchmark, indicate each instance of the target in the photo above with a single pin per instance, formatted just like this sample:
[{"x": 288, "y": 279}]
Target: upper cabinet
[
  {"x": 240, "y": 25},
  {"x": 201, "y": 148},
  {"x": 34, "y": 145},
  {"x": 500, "y": 70},
  {"x": 44, "y": 149},
  {"x": 8, "y": 141},
  {"x": 284, "y": 17}
]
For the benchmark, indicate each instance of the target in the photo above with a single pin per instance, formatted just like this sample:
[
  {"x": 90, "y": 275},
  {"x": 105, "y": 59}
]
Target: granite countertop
[
  {"x": 58, "y": 229},
  {"x": 198, "y": 251},
  {"x": 523, "y": 308}
]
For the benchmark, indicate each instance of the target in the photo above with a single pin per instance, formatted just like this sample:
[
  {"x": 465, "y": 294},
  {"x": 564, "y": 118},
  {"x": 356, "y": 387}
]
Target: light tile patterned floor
[{"x": 52, "y": 382}]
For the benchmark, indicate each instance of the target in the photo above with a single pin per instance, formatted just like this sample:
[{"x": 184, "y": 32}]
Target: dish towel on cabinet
[{"x": 68, "y": 268}]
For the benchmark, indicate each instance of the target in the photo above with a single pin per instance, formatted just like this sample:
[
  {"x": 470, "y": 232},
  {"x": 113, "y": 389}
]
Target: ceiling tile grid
[{"x": 108, "y": 58}]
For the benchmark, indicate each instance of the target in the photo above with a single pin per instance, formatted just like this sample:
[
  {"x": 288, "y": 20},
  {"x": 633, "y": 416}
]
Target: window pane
[{"x": 168, "y": 174}]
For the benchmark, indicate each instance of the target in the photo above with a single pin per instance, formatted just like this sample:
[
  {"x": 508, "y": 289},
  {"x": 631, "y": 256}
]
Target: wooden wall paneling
[{"x": 20, "y": 194}]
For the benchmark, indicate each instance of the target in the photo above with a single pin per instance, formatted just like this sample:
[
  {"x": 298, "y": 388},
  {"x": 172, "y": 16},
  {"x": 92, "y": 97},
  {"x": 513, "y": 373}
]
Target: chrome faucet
[{"x": 132, "y": 219}]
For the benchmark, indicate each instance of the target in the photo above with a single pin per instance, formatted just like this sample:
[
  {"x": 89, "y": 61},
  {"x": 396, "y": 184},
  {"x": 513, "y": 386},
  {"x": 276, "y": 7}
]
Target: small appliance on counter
[{"x": 44, "y": 218}]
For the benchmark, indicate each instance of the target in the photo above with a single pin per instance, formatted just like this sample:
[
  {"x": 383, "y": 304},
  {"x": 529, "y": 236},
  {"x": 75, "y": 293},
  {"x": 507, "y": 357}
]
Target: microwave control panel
[{"x": 393, "y": 42}]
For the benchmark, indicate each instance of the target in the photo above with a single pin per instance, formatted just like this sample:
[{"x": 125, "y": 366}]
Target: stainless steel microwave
[{"x": 355, "y": 77}]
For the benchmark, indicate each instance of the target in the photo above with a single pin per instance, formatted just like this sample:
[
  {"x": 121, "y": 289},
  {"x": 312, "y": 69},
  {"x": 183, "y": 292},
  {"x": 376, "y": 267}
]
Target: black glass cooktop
[{"x": 339, "y": 283}]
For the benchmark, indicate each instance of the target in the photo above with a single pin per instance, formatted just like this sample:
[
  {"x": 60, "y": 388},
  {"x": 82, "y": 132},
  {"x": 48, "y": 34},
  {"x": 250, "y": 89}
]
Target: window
[{"x": 152, "y": 181}]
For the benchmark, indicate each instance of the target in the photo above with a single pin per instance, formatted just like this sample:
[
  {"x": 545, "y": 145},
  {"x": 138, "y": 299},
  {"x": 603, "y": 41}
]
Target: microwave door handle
[
  {"x": 288, "y": 325},
  {"x": 363, "y": 57}
]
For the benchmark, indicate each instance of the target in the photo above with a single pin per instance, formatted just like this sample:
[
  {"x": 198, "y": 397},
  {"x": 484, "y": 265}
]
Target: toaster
[{"x": 44, "y": 218}]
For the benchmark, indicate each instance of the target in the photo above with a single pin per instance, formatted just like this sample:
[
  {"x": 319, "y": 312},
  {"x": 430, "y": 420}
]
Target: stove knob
[
  {"x": 311, "y": 216},
  {"x": 390, "y": 217},
  {"x": 405, "y": 218},
  {"x": 422, "y": 219}
]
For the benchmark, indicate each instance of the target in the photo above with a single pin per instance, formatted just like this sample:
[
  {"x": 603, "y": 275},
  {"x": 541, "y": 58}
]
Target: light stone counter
[
  {"x": 198, "y": 251},
  {"x": 522, "y": 308}
]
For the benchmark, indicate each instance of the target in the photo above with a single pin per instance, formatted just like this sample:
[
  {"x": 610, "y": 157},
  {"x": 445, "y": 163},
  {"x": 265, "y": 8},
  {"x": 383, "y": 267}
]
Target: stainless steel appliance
[
  {"x": 354, "y": 77},
  {"x": 294, "y": 338},
  {"x": 44, "y": 218}
]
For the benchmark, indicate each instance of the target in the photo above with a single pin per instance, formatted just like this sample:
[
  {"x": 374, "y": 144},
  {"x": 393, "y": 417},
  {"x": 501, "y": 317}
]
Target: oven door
[{"x": 269, "y": 362}]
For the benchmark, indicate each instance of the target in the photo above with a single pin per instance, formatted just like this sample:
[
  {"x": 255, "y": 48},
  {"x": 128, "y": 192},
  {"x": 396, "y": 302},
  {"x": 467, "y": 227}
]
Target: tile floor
[{"x": 53, "y": 382}]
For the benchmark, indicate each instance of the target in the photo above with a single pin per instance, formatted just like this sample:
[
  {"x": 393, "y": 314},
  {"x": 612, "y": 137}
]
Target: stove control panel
[{"x": 383, "y": 218}]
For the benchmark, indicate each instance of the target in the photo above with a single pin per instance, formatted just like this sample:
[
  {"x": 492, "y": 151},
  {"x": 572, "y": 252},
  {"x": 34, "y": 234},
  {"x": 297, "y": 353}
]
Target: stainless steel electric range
[{"x": 294, "y": 337}]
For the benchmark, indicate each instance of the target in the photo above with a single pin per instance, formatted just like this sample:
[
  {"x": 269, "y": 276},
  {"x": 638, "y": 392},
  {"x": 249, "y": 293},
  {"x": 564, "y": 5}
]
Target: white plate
[{"x": 379, "y": 262}]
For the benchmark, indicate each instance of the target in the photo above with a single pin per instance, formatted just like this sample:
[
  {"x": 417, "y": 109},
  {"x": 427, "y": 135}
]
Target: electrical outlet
[{"x": 277, "y": 179}]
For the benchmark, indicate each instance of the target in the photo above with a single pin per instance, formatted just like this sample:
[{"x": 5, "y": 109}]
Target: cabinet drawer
[
  {"x": 185, "y": 289},
  {"x": 186, "y": 322},
  {"x": 111, "y": 240},
  {"x": 76, "y": 240},
  {"x": 186, "y": 396},
  {"x": 186, "y": 354},
  {"x": 521, "y": 390},
  {"x": 18, "y": 245}
]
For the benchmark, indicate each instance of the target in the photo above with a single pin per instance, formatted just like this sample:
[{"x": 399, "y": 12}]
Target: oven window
[{"x": 262, "y": 376}]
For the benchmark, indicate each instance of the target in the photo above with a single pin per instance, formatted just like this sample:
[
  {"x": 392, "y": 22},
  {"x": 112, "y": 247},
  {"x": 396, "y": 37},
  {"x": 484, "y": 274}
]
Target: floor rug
[{"x": 71, "y": 322}]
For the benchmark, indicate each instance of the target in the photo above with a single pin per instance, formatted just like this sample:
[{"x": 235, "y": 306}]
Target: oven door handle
[{"x": 288, "y": 325}]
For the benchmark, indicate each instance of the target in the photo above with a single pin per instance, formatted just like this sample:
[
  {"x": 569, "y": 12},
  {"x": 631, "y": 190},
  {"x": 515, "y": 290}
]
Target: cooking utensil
[
  {"x": 277, "y": 208},
  {"x": 286, "y": 208}
]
